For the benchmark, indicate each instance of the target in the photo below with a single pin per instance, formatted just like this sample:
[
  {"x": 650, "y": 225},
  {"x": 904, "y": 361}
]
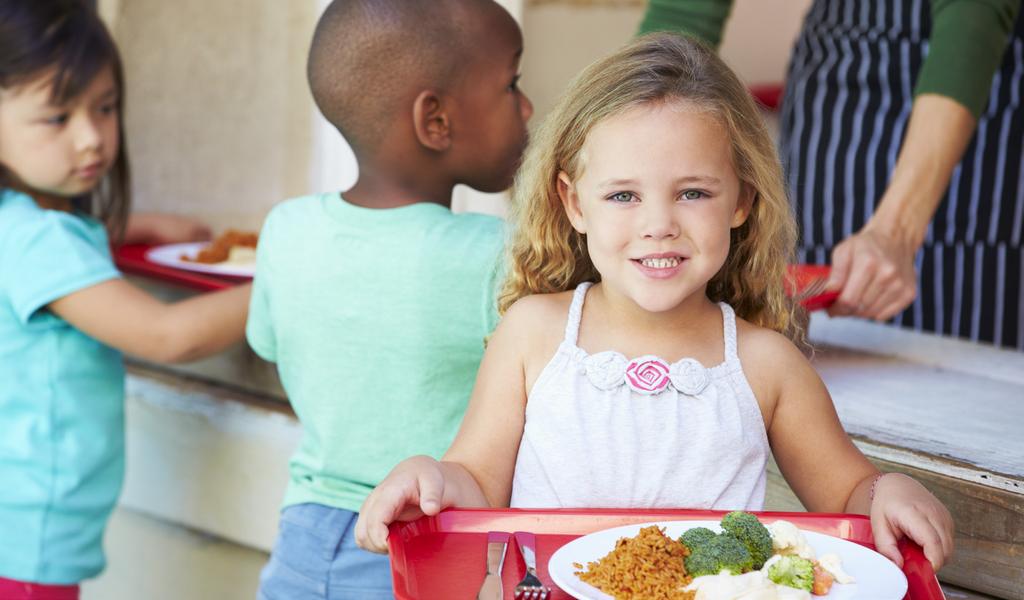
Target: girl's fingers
[
  {"x": 925, "y": 533},
  {"x": 378, "y": 537},
  {"x": 948, "y": 532},
  {"x": 431, "y": 484},
  {"x": 929, "y": 538},
  {"x": 381, "y": 508},
  {"x": 944, "y": 526},
  {"x": 365, "y": 533},
  {"x": 885, "y": 541}
]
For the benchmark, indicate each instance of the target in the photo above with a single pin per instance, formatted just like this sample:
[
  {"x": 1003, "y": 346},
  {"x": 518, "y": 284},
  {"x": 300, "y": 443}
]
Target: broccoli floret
[
  {"x": 747, "y": 529},
  {"x": 696, "y": 537},
  {"x": 792, "y": 571},
  {"x": 720, "y": 552}
]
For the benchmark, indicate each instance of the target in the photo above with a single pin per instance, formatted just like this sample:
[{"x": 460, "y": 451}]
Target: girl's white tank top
[{"x": 604, "y": 431}]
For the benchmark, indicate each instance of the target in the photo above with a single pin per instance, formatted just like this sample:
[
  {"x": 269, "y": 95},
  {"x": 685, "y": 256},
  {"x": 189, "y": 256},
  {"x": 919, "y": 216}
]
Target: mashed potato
[{"x": 749, "y": 586}]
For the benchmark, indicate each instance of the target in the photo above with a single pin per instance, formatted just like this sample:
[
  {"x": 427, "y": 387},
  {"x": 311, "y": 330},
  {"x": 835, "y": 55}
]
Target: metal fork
[
  {"x": 530, "y": 588},
  {"x": 812, "y": 289}
]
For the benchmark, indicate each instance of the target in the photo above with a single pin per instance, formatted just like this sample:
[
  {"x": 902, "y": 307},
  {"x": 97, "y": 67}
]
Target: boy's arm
[{"x": 127, "y": 318}]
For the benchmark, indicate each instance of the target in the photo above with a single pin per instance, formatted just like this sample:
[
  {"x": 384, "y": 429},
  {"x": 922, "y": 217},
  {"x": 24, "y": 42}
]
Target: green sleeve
[
  {"x": 966, "y": 47},
  {"x": 704, "y": 19}
]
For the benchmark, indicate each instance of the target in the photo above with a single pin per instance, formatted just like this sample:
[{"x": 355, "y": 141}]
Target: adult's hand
[
  {"x": 875, "y": 272},
  {"x": 874, "y": 268}
]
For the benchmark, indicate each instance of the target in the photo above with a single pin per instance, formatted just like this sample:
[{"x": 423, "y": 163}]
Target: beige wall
[
  {"x": 221, "y": 125},
  {"x": 563, "y": 36},
  {"x": 219, "y": 118}
]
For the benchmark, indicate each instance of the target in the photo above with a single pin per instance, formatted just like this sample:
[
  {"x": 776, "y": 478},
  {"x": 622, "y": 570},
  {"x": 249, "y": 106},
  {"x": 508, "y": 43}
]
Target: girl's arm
[
  {"x": 477, "y": 469},
  {"x": 158, "y": 228},
  {"x": 822, "y": 465},
  {"x": 123, "y": 316}
]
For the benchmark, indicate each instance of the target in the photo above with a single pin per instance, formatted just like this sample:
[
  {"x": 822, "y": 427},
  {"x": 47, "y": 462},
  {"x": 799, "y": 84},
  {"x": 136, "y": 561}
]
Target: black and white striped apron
[{"x": 846, "y": 105}]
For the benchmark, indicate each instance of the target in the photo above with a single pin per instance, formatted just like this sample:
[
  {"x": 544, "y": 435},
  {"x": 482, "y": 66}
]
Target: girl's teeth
[{"x": 659, "y": 263}]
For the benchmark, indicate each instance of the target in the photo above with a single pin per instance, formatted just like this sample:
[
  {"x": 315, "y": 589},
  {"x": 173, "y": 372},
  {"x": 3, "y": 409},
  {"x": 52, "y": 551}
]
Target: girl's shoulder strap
[
  {"x": 572, "y": 324},
  {"x": 729, "y": 332}
]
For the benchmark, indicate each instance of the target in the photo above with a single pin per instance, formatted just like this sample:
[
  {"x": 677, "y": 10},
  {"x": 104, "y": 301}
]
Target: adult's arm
[
  {"x": 874, "y": 268},
  {"x": 704, "y": 19}
]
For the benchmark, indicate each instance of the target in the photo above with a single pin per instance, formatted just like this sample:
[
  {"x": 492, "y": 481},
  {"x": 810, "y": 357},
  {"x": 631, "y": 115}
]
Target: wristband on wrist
[{"x": 874, "y": 482}]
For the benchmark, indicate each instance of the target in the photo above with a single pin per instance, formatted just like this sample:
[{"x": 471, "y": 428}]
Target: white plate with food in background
[{"x": 241, "y": 261}]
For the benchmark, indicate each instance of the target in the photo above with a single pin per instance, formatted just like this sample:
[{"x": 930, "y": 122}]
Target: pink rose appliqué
[{"x": 647, "y": 375}]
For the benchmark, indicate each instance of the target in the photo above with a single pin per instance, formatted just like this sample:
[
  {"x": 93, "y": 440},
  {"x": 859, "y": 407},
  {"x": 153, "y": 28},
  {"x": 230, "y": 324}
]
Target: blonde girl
[
  {"x": 65, "y": 313},
  {"x": 646, "y": 356}
]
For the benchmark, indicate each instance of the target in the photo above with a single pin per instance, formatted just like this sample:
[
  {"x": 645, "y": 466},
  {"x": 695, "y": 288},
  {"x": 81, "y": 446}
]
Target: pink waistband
[{"x": 11, "y": 589}]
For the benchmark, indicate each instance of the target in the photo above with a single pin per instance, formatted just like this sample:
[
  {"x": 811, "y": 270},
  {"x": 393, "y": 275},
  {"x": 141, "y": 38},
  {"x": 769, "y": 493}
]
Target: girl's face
[
  {"x": 59, "y": 151},
  {"x": 656, "y": 198}
]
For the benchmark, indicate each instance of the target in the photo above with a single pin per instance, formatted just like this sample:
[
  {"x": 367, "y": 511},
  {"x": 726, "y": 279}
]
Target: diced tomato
[{"x": 823, "y": 581}]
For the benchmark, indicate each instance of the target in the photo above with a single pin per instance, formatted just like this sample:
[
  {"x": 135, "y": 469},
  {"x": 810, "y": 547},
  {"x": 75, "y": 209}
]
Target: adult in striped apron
[{"x": 855, "y": 160}]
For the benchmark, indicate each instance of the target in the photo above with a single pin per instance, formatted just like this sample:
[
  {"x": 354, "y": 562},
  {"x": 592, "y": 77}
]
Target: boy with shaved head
[{"x": 374, "y": 303}]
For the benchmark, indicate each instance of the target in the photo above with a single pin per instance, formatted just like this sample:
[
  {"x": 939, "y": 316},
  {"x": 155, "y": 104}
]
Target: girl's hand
[
  {"x": 903, "y": 507},
  {"x": 875, "y": 273},
  {"x": 414, "y": 488},
  {"x": 159, "y": 228}
]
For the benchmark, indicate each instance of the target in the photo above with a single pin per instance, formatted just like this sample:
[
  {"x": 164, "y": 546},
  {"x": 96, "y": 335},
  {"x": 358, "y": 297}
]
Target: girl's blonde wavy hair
[{"x": 547, "y": 255}]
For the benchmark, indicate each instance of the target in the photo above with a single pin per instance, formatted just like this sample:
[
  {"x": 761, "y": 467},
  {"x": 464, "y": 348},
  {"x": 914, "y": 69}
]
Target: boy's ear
[
  {"x": 570, "y": 202},
  {"x": 744, "y": 205},
  {"x": 430, "y": 121}
]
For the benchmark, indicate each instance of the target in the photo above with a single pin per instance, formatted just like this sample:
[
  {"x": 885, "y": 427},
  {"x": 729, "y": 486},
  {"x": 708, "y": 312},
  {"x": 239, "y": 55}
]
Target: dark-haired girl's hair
[{"x": 69, "y": 38}]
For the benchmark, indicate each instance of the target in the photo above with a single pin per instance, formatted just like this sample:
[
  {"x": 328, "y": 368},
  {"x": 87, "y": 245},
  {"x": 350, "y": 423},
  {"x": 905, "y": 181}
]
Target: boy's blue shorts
[{"x": 315, "y": 557}]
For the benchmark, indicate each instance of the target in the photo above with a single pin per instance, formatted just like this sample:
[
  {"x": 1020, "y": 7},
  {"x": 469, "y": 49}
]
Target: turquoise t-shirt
[
  {"x": 61, "y": 399},
  {"x": 376, "y": 320}
]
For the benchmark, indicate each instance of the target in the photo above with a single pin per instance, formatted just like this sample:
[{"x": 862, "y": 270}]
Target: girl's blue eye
[
  {"x": 108, "y": 108},
  {"x": 57, "y": 119},
  {"x": 515, "y": 83},
  {"x": 621, "y": 197},
  {"x": 693, "y": 195}
]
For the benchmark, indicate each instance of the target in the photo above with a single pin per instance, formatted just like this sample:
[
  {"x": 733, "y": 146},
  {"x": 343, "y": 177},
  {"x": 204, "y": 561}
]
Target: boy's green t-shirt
[{"x": 376, "y": 320}]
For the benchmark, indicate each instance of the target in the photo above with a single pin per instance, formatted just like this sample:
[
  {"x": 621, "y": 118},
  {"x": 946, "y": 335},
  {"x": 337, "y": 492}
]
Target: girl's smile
[{"x": 664, "y": 265}]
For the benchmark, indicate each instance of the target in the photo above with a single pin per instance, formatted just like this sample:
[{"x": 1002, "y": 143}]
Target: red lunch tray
[
  {"x": 131, "y": 258},
  {"x": 445, "y": 556}
]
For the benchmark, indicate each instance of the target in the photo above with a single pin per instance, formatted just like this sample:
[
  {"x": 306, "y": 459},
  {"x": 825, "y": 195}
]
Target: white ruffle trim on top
[{"x": 645, "y": 375}]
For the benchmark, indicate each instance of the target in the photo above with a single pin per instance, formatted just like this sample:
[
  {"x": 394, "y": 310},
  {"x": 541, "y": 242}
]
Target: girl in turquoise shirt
[{"x": 65, "y": 313}]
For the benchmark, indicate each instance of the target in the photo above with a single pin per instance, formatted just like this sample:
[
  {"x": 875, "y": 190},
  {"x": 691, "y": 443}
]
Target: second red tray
[{"x": 444, "y": 556}]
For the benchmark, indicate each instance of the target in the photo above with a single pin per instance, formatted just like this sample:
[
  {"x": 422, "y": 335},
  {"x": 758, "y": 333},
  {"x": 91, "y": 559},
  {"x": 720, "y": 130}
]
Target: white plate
[
  {"x": 877, "y": 578},
  {"x": 170, "y": 255}
]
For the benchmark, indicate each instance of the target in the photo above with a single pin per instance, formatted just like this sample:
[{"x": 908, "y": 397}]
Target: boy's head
[{"x": 424, "y": 86}]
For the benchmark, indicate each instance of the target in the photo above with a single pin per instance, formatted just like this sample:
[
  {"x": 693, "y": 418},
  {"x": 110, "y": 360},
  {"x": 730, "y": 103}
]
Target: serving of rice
[{"x": 648, "y": 566}]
